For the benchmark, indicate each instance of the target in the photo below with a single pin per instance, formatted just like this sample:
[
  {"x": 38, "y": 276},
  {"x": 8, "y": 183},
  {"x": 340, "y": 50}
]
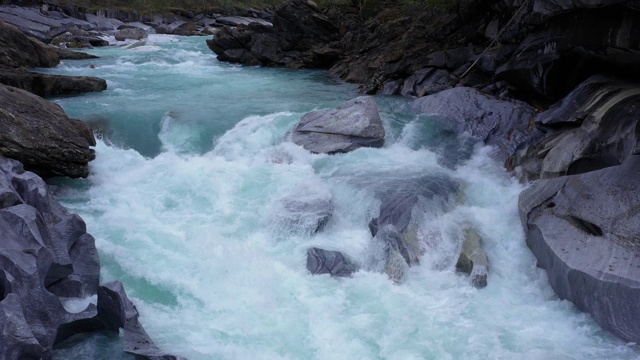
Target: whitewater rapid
[{"x": 192, "y": 161}]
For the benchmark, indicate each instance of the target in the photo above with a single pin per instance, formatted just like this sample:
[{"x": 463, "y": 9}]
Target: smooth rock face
[
  {"x": 131, "y": 33},
  {"x": 499, "y": 123},
  {"x": 46, "y": 85},
  {"x": 593, "y": 127},
  {"x": 321, "y": 261},
  {"x": 585, "y": 231},
  {"x": 350, "y": 126},
  {"x": 38, "y": 133},
  {"x": 473, "y": 259}
]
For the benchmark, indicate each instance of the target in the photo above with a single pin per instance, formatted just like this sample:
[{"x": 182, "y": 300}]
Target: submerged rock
[
  {"x": 593, "y": 127},
  {"x": 350, "y": 126},
  {"x": 473, "y": 259},
  {"x": 499, "y": 123},
  {"x": 302, "y": 212},
  {"x": 321, "y": 261},
  {"x": 404, "y": 205},
  {"x": 585, "y": 231},
  {"x": 39, "y": 133}
]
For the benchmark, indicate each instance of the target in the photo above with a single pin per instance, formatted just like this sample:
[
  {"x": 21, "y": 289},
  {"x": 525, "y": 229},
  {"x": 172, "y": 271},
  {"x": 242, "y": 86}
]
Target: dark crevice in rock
[{"x": 587, "y": 227}]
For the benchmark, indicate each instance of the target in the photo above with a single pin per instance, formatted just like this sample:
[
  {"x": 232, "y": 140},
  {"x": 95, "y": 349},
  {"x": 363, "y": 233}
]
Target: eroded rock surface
[
  {"x": 584, "y": 230},
  {"x": 593, "y": 127},
  {"x": 350, "y": 126},
  {"x": 46, "y": 259}
]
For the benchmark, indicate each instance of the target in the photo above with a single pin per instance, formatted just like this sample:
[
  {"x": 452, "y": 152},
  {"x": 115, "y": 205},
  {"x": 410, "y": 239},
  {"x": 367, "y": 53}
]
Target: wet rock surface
[
  {"x": 504, "y": 124},
  {"x": 321, "y": 261},
  {"x": 397, "y": 242},
  {"x": 352, "y": 125},
  {"x": 46, "y": 259},
  {"x": 473, "y": 258},
  {"x": 584, "y": 231}
]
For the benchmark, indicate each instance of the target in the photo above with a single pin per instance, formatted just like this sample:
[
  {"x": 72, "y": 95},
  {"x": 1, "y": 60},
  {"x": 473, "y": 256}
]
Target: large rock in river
[
  {"x": 397, "y": 240},
  {"x": 39, "y": 134},
  {"x": 352, "y": 125},
  {"x": 585, "y": 231},
  {"x": 499, "y": 123}
]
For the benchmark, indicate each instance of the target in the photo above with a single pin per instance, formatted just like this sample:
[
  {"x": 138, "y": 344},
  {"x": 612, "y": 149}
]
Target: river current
[{"x": 192, "y": 161}]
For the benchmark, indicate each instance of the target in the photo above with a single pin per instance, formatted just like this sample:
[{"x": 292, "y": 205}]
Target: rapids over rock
[{"x": 209, "y": 214}]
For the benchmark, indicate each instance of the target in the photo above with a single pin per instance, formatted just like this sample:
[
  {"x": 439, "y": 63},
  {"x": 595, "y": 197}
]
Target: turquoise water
[{"x": 183, "y": 197}]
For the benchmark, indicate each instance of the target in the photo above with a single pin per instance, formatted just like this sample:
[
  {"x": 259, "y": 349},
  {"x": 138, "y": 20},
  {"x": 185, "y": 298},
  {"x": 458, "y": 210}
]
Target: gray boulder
[
  {"x": 585, "y": 231},
  {"x": 321, "y": 261},
  {"x": 352, "y": 125},
  {"x": 132, "y": 33},
  {"x": 473, "y": 259},
  {"x": 591, "y": 128},
  {"x": 39, "y": 133},
  {"x": 499, "y": 123}
]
